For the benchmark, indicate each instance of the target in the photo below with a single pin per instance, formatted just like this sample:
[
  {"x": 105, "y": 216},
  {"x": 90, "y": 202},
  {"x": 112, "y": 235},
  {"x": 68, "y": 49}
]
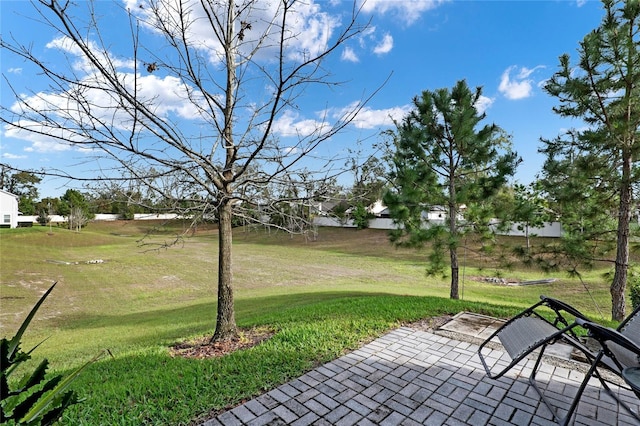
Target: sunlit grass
[{"x": 322, "y": 298}]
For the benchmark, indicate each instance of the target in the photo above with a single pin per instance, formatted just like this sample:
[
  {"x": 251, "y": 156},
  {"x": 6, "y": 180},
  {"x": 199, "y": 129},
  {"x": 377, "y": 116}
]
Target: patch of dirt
[
  {"x": 492, "y": 280},
  {"x": 431, "y": 323},
  {"x": 510, "y": 281},
  {"x": 201, "y": 348}
]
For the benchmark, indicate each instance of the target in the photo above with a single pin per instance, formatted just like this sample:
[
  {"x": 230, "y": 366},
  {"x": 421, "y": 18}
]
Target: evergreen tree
[
  {"x": 443, "y": 159},
  {"x": 23, "y": 184},
  {"x": 591, "y": 173}
]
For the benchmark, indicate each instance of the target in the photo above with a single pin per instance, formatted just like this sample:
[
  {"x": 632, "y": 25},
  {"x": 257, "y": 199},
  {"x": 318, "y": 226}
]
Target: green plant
[
  {"x": 634, "y": 288},
  {"x": 361, "y": 216},
  {"x": 35, "y": 400}
]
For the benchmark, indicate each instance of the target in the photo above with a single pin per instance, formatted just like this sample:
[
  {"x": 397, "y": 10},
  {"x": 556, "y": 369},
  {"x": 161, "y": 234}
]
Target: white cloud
[
  {"x": 519, "y": 86},
  {"x": 369, "y": 118},
  {"x": 484, "y": 103},
  {"x": 169, "y": 95},
  {"x": 67, "y": 45},
  {"x": 407, "y": 10},
  {"x": 166, "y": 96},
  {"x": 42, "y": 139},
  {"x": 526, "y": 72},
  {"x": 349, "y": 55},
  {"x": 309, "y": 27},
  {"x": 367, "y": 34},
  {"x": 542, "y": 83},
  {"x": 311, "y": 31},
  {"x": 384, "y": 46},
  {"x": 290, "y": 124},
  {"x": 290, "y": 150},
  {"x": 11, "y": 156},
  {"x": 14, "y": 70}
]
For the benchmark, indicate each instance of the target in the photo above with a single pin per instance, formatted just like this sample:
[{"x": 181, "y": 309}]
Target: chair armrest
[
  {"x": 606, "y": 334},
  {"x": 556, "y": 305}
]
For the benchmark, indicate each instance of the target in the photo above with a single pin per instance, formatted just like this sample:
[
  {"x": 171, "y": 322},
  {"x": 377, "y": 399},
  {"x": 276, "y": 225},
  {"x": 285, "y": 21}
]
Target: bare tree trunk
[
  {"x": 453, "y": 252},
  {"x": 226, "y": 320},
  {"x": 453, "y": 247},
  {"x": 619, "y": 283}
]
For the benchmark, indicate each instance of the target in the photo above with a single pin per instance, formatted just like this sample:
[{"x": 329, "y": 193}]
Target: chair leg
[
  {"x": 592, "y": 372},
  {"x": 532, "y": 381}
]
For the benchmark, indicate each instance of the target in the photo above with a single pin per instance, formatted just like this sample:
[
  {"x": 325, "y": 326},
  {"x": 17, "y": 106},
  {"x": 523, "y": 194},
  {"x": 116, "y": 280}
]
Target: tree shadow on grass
[
  {"x": 148, "y": 385},
  {"x": 297, "y": 307}
]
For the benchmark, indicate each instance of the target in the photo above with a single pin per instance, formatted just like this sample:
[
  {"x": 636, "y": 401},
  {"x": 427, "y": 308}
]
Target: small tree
[
  {"x": 525, "y": 206},
  {"x": 77, "y": 219},
  {"x": 370, "y": 180},
  {"x": 442, "y": 158},
  {"x": 26, "y": 206},
  {"x": 361, "y": 216}
]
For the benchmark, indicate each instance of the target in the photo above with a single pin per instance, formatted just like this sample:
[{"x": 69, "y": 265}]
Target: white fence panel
[
  {"x": 550, "y": 229},
  {"x": 155, "y": 216},
  {"x": 106, "y": 217},
  {"x": 331, "y": 221}
]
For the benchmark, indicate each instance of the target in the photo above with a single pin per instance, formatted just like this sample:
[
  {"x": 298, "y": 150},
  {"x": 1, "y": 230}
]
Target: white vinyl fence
[
  {"x": 56, "y": 218},
  {"x": 550, "y": 229}
]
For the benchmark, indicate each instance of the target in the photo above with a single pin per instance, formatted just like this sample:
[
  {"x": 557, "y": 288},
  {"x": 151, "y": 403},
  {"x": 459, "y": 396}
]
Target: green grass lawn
[{"x": 322, "y": 298}]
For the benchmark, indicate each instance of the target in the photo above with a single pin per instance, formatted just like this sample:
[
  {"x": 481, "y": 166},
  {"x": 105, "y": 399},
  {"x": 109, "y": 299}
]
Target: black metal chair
[
  {"x": 550, "y": 321},
  {"x": 619, "y": 353}
]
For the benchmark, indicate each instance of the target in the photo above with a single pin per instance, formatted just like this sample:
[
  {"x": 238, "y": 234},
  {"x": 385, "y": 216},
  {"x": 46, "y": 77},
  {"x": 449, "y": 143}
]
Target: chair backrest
[{"x": 629, "y": 328}]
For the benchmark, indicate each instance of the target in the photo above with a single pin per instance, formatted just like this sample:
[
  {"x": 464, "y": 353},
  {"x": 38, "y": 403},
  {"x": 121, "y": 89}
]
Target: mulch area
[
  {"x": 430, "y": 323},
  {"x": 202, "y": 348}
]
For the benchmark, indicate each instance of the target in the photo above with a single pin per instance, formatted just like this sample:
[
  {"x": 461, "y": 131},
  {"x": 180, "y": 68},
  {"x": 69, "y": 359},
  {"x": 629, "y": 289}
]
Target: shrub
[
  {"x": 361, "y": 216},
  {"x": 36, "y": 399}
]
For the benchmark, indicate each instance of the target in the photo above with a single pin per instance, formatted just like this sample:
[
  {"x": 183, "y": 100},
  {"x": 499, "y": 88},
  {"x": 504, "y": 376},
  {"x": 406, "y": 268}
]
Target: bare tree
[
  {"x": 236, "y": 67},
  {"x": 77, "y": 219}
]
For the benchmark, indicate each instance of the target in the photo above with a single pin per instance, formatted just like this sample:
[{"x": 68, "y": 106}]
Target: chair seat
[{"x": 525, "y": 333}]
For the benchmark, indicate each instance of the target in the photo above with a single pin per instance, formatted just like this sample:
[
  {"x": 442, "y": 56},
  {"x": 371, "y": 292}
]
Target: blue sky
[{"x": 508, "y": 47}]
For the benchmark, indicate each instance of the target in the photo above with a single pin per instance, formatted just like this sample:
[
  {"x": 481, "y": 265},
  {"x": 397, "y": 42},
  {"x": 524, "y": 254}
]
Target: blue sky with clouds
[{"x": 508, "y": 47}]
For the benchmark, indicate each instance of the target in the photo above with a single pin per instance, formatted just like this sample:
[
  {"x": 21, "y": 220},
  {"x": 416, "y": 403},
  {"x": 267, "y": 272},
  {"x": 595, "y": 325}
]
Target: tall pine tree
[{"x": 591, "y": 173}]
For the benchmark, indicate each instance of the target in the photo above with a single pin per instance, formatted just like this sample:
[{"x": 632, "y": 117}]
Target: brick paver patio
[{"x": 413, "y": 377}]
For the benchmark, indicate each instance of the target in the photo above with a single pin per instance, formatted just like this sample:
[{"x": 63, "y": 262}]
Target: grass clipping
[{"x": 200, "y": 348}]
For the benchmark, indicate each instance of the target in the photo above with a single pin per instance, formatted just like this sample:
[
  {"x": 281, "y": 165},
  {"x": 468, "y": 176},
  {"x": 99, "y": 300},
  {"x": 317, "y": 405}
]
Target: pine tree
[
  {"x": 591, "y": 173},
  {"x": 443, "y": 159}
]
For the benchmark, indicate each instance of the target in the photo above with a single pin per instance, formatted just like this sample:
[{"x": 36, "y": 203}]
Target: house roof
[{"x": 9, "y": 193}]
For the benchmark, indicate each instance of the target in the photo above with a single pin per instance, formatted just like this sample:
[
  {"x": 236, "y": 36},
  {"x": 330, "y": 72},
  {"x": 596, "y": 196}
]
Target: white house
[{"x": 8, "y": 210}]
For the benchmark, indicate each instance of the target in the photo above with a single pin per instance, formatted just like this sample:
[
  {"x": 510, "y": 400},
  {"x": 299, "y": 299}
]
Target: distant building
[{"x": 8, "y": 210}]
